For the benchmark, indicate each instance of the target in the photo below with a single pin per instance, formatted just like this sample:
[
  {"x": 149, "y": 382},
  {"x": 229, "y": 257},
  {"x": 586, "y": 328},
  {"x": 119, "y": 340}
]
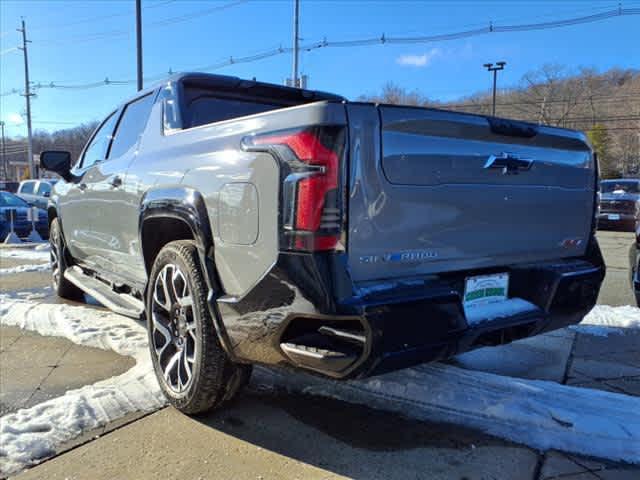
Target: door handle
[{"x": 116, "y": 182}]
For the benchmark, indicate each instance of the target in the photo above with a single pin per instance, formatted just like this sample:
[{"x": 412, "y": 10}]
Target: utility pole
[
  {"x": 27, "y": 94},
  {"x": 5, "y": 170},
  {"x": 296, "y": 43},
  {"x": 139, "y": 42},
  {"x": 494, "y": 68}
]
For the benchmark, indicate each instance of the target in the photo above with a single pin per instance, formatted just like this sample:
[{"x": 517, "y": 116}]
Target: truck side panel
[{"x": 240, "y": 188}]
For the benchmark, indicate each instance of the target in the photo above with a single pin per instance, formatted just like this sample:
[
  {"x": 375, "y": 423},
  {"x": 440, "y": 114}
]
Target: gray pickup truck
[{"x": 255, "y": 223}]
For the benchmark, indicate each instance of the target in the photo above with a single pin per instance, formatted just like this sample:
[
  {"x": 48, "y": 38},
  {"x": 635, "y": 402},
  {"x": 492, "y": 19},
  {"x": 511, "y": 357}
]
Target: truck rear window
[
  {"x": 206, "y": 109},
  {"x": 621, "y": 186}
]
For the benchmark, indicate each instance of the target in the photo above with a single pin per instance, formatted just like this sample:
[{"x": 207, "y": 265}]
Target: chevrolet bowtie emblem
[{"x": 509, "y": 163}]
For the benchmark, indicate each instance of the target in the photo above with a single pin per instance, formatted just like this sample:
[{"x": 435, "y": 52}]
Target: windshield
[
  {"x": 621, "y": 186},
  {"x": 8, "y": 200}
]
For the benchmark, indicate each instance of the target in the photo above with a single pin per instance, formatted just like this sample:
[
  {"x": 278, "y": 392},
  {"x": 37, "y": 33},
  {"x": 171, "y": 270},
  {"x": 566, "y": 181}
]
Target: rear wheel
[
  {"x": 192, "y": 368},
  {"x": 63, "y": 287}
]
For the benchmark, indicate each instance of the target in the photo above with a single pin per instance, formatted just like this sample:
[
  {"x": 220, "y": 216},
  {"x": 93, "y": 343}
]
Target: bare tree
[{"x": 585, "y": 100}]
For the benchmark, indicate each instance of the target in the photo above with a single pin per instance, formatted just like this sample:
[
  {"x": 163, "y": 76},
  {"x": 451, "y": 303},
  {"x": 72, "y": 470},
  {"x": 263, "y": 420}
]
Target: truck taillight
[{"x": 311, "y": 196}]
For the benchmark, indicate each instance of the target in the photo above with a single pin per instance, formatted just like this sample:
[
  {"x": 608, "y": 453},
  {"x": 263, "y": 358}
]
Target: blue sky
[{"x": 70, "y": 50}]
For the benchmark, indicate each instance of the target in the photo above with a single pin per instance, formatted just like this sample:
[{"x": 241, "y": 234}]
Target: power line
[
  {"x": 91, "y": 19},
  {"x": 55, "y": 122},
  {"x": 9, "y": 50},
  {"x": 124, "y": 32},
  {"x": 491, "y": 28},
  {"x": 586, "y": 101}
]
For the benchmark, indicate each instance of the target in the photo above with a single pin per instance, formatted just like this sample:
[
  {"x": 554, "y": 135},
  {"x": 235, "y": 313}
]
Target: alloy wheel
[
  {"x": 173, "y": 328},
  {"x": 55, "y": 261}
]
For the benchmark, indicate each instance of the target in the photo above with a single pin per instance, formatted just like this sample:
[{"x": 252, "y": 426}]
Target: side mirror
[
  {"x": 57, "y": 161},
  {"x": 46, "y": 194}
]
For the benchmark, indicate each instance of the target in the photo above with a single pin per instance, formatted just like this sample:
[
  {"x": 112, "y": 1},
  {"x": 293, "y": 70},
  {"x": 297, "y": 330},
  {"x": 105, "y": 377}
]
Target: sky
[{"x": 79, "y": 42}]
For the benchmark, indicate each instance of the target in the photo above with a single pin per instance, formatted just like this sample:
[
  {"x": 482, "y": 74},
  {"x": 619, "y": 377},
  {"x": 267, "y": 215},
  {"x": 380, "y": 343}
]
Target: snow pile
[
  {"x": 38, "y": 267},
  {"x": 41, "y": 252},
  {"x": 604, "y": 320},
  {"x": 31, "y": 435}
]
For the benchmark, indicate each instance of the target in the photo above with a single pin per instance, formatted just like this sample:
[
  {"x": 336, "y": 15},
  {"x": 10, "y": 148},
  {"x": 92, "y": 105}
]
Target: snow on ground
[
  {"x": 41, "y": 252},
  {"x": 38, "y": 267},
  {"x": 604, "y": 320},
  {"x": 31, "y": 435}
]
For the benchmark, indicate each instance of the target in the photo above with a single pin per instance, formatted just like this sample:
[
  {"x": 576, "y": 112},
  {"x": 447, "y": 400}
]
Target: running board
[{"x": 121, "y": 303}]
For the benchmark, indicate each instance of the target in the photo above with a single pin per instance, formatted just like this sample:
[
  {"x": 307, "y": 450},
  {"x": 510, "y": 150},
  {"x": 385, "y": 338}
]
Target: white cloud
[
  {"x": 423, "y": 60},
  {"x": 15, "y": 118}
]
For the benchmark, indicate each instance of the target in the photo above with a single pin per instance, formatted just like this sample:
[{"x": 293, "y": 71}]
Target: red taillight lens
[{"x": 311, "y": 199}]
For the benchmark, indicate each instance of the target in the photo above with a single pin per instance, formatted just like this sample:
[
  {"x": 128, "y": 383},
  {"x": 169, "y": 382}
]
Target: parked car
[
  {"x": 257, "y": 223},
  {"x": 14, "y": 207},
  {"x": 619, "y": 204},
  {"x": 634, "y": 265},
  {"x": 36, "y": 192},
  {"x": 8, "y": 186}
]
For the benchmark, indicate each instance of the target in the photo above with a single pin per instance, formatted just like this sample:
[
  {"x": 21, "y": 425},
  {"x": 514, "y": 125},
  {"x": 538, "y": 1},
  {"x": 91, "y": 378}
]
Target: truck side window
[
  {"x": 171, "y": 113},
  {"x": 131, "y": 125},
  {"x": 43, "y": 189},
  {"x": 27, "y": 187},
  {"x": 209, "y": 109},
  {"x": 96, "y": 151}
]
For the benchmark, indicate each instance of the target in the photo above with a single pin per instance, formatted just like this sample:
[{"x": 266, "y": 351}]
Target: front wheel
[
  {"x": 63, "y": 287},
  {"x": 192, "y": 368}
]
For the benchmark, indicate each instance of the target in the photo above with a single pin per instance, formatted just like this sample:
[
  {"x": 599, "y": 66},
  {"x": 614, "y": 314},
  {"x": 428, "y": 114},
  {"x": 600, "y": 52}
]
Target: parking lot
[{"x": 302, "y": 431}]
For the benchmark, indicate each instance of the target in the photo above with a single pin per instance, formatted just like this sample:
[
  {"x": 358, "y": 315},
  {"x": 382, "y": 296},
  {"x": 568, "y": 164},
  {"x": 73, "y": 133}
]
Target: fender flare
[
  {"x": 181, "y": 203},
  {"x": 187, "y": 205}
]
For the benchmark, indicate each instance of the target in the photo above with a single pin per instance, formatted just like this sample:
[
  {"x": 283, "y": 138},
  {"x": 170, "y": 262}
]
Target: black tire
[
  {"x": 63, "y": 287},
  {"x": 635, "y": 292},
  {"x": 212, "y": 379}
]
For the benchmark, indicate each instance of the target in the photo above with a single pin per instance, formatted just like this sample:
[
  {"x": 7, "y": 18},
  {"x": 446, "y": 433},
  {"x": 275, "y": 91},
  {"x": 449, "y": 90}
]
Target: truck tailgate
[{"x": 434, "y": 191}]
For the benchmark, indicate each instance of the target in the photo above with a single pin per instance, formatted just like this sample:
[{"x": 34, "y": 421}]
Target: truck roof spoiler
[{"x": 254, "y": 88}]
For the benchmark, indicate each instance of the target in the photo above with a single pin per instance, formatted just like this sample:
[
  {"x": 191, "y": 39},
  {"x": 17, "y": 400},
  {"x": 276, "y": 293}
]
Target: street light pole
[
  {"x": 494, "y": 68},
  {"x": 139, "y": 42}
]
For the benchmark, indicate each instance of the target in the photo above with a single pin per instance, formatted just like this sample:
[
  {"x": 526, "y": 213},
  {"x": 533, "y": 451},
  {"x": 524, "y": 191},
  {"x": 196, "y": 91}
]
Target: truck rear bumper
[
  {"x": 305, "y": 314},
  {"x": 617, "y": 220}
]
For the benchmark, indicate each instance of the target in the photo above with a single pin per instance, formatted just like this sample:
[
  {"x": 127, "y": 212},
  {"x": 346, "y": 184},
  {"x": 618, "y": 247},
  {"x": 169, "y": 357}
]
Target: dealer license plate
[{"x": 485, "y": 289}]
